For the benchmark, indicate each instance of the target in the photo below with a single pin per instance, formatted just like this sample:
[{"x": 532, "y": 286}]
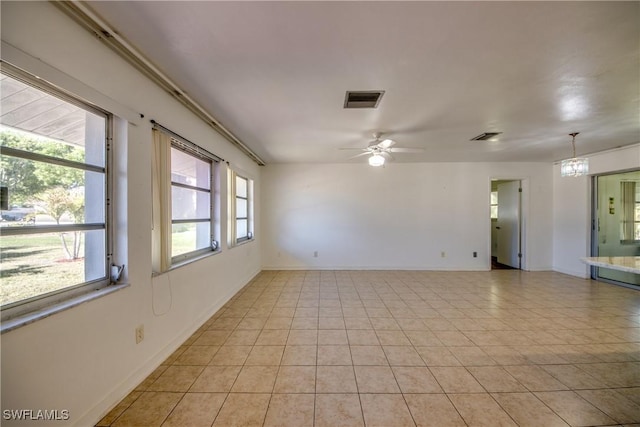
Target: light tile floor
[{"x": 403, "y": 348}]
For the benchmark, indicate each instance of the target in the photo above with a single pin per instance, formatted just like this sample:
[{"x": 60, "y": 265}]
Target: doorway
[
  {"x": 506, "y": 224},
  {"x": 616, "y": 223}
]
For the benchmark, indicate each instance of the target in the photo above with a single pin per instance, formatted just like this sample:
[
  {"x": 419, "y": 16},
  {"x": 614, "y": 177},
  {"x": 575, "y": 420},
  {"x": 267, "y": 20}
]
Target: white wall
[
  {"x": 572, "y": 208},
  {"x": 401, "y": 216},
  {"x": 85, "y": 359}
]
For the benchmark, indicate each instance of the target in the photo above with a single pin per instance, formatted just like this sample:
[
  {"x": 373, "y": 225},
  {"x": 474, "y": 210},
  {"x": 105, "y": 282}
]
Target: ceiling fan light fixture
[
  {"x": 575, "y": 166},
  {"x": 376, "y": 160}
]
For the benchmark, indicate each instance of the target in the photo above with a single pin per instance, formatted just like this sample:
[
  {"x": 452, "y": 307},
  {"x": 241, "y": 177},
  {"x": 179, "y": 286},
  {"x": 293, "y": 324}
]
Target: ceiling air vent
[
  {"x": 363, "y": 98},
  {"x": 485, "y": 136}
]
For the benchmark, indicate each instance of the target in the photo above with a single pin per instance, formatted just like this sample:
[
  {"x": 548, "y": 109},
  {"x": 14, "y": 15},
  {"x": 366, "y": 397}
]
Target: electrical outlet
[
  {"x": 475, "y": 254},
  {"x": 139, "y": 334},
  {"x": 443, "y": 254},
  {"x": 315, "y": 254}
]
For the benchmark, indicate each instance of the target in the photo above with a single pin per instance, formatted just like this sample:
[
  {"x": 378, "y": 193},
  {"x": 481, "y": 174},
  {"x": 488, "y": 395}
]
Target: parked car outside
[{"x": 19, "y": 213}]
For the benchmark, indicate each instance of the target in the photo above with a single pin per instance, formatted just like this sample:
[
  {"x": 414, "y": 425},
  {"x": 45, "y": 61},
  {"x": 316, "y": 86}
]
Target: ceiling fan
[{"x": 380, "y": 149}]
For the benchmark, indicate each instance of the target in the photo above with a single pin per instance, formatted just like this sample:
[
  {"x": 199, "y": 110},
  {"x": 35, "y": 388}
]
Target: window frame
[
  {"x": 492, "y": 205},
  {"x": 249, "y": 234},
  {"x": 185, "y": 257},
  {"x": 163, "y": 260},
  {"x": 634, "y": 224},
  {"x": 48, "y": 300},
  {"x": 233, "y": 203}
]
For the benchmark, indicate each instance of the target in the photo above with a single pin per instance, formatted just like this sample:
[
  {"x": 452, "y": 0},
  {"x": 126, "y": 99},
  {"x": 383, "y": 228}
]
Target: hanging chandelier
[{"x": 575, "y": 166}]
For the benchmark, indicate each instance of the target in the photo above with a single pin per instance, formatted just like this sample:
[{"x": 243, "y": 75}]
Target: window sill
[
  {"x": 25, "y": 319},
  {"x": 243, "y": 242},
  {"x": 186, "y": 262}
]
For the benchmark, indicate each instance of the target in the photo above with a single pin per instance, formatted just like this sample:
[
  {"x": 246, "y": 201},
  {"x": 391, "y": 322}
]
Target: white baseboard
[
  {"x": 373, "y": 268},
  {"x": 94, "y": 415},
  {"x": 583, "y": 274}
]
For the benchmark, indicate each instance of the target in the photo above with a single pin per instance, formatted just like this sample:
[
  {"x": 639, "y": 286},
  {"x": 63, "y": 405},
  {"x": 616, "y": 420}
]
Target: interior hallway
[{"x": 403, "y": 348}]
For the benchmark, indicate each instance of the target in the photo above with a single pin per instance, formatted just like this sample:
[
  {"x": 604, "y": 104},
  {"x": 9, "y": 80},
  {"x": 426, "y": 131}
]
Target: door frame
[
  {"x": 593, "y": 235},
  {"x": 524, "y": 218}
]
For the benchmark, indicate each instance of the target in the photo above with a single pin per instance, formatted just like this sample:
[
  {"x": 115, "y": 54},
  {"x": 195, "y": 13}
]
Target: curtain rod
[
  {"x": 81, "y": 13},
  {"x": 177, "y": 136}
]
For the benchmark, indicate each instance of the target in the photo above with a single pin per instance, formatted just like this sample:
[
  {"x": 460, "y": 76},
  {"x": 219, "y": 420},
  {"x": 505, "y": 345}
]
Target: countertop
[{"x": 630, "y": 264}]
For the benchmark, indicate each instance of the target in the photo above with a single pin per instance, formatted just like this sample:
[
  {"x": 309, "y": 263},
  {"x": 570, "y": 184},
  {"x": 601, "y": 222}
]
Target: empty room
[{"x": 320, "y": 213}]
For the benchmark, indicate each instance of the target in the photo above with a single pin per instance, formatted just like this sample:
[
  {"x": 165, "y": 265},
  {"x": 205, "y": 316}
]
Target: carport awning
[{"x": 31, "y": 110}]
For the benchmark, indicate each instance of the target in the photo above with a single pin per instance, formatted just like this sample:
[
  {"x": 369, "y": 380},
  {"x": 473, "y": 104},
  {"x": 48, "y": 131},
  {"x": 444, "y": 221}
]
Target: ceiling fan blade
[
  {"x": 374, "y": 143},
  {"x": 358, "y": 155},
  {"x": 387, "y": 143},
  {"x": 406, "y": 150},
  {"x": 351, "y": 148},
  {"x": 387, "y": 155}
]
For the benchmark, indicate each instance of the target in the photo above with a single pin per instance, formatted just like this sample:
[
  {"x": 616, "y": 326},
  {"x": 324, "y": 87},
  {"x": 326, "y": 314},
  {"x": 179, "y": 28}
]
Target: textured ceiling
[{"x": 275, "y": 73}]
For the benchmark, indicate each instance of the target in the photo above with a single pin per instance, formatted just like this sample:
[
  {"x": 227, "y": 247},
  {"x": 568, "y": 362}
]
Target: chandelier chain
[{"x": 573, "y": 142}]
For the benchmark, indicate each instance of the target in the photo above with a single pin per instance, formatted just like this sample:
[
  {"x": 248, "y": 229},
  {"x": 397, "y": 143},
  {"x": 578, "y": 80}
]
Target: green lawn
[
  {"x": 32, "y": 265},
  {"x": 184, "y": 240}
]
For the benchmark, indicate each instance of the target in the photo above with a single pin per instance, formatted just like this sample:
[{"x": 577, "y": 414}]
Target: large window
[
  {"x": 54, "y": 240},
  {"x": 241, "y": 208},
  {"x": 185, "y": 200},
  {"x": 630, "y": 215},
  {"x": 494, "y": 205}
]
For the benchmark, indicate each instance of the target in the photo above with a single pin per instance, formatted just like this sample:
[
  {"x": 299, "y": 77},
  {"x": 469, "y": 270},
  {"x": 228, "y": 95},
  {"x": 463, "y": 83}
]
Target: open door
[{"x": 508, "y": 224}]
